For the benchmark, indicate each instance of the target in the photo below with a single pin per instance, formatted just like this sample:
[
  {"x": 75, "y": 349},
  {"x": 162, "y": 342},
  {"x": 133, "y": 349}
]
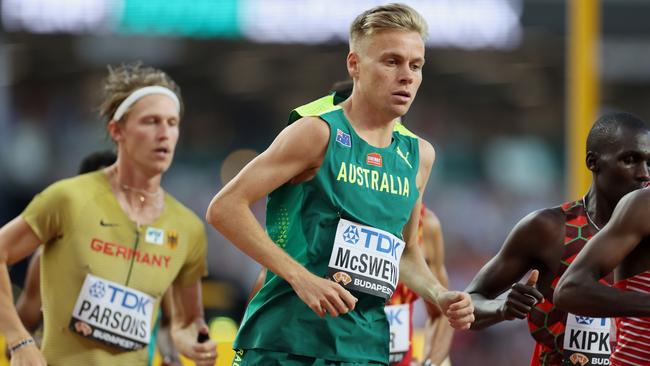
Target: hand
[
  {"x": 458, "y": 307},
  {"x": 28, "y": 356},
  {"x": 323, "y": 296},
  {"x": 170, "y": 362},
  {"x": 522, "y": 298},
  {"x": 203, "y": 354}
]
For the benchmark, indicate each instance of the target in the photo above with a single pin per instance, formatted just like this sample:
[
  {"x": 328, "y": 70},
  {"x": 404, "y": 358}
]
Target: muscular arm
[
  {"x": 28, "y": 304},
  {"x": 579, "y": 290},
  {"x": 296, "y": 154},
  {"x": 17, "y": 240},
  {"x": 438, "y": 334},
  {"x": 522, "y": 251},
  {"x": 414, "y": 272},
  {"x": 164, "y": 340}
]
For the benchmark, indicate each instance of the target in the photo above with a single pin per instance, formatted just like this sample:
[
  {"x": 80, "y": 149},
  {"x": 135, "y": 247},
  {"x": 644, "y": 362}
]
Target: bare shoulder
[
  {"x": 427, "y": 153},
  {"x": 306, "y": 131},
  {"x": 631, "y": 213},
  {"x": 306, "y": 138},
  {"x": 538, "y": 232},
  {"x": 546, "y": 221},
  {"x": 427, "y": 157},
  {"x": 635, "y": 203}
]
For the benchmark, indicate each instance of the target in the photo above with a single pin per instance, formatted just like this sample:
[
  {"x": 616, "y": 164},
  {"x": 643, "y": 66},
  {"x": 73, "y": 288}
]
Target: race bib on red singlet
[
  {"x": 113, "y": 314},
  {"x": 399, "y": 321},
  {"x": 586, "y": 341},
  {"x": 365, "y": 259}
]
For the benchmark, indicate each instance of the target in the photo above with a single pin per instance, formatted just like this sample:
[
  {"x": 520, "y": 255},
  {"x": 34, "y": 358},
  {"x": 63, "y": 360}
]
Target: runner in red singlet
[
  {"x": 547, "y": 241},
  {"x": 623, "y": 246}
]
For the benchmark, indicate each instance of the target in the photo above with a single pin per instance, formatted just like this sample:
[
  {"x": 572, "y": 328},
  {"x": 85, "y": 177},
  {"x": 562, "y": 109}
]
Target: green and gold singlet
[{"x": 345, "y": 224}]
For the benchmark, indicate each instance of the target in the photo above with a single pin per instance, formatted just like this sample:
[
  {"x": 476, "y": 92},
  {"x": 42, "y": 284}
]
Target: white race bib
[
  {"x": 586, "y": 340},
  {"x": 113, "y": 314},
  {"x": 400, "y": 321},
  {"x": 365, "y": 259}
]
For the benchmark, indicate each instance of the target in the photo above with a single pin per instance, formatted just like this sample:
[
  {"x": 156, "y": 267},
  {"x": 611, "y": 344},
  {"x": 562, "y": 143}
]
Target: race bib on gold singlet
[
  {"x": 399, "y": 321},
  {"x": 365, "y": 259},
  {"x": 586, "y": 341},
  {"x": 113, "y": 314}
]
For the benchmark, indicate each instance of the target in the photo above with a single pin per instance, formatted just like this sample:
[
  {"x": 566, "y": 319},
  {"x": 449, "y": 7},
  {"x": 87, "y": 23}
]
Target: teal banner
[{"x": 195, "y": 18}]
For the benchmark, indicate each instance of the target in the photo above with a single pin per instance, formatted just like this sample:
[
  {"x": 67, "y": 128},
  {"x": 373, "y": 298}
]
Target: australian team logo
[{"x": 343, "y": 138}]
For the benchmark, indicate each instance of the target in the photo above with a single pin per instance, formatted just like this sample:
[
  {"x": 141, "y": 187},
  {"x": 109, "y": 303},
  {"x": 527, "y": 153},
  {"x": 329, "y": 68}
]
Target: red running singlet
[{"x": 633, "y": 334}]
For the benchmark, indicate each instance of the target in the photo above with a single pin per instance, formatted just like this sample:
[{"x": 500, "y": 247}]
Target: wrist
[
  {"x": 438, "y": 290},
  {"x": 170, "y": 357},
  {"x": 20, "y": 344},
  {"x": 295, "y": 274},
  {"x": 501, "y": 314}
]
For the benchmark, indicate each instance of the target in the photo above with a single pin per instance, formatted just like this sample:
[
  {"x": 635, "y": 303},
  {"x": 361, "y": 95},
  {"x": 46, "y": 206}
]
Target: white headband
[{"x": 136, "y": 95}]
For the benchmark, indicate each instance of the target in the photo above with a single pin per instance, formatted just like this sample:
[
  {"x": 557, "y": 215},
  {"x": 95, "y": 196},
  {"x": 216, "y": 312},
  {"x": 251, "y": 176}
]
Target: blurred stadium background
[{"x": 494, "y": 103}]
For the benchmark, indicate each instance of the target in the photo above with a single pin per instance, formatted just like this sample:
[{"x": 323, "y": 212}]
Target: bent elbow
[
  {"x": 564, "y": 293},
  {"x": 215, "y": 213}
]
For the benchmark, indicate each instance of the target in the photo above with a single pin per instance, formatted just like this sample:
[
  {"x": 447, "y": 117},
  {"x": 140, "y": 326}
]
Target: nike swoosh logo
[{"x": 106, "y": 224}]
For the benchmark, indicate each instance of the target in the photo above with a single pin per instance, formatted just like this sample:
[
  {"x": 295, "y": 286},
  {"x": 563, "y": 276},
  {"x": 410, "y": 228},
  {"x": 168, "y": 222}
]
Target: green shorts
[{"x": 255, "y": 357}]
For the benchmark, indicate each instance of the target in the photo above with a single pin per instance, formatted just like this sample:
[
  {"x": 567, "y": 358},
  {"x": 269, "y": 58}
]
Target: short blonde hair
[
  {"x": 125, "y": 79},
  {"x": 390, "y": 16}
]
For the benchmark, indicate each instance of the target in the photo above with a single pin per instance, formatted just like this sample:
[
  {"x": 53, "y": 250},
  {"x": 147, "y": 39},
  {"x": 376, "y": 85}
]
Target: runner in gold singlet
[{"x": 113, "y": 243}]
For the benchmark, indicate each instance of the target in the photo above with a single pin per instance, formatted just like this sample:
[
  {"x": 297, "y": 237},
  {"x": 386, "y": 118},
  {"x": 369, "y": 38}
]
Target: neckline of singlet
[
  {"x": 584, "y": 205},
  {"x": 347, "y": 122}
]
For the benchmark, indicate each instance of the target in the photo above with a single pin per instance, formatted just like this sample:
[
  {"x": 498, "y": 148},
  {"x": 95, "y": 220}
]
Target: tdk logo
[
  {"x": 128, "y": 299},
  {"x": 374, "y": 240},
  {"x": 97, "y": 290},
  {"x": 584, "y": 320},
  {"x": 351, "y": 235}
]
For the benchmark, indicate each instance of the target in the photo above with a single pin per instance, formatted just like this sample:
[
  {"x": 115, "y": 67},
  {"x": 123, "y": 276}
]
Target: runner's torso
[
  {"x": 547, "y": 323},
  {"x": 85, "y": 232},
  {"x": 356, "y": 184}
]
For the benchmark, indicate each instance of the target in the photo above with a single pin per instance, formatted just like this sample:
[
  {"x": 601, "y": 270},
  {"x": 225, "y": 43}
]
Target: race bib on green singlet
[
  {"x": 365, "y": 259},
  {"x": 113, "y": 314},
  {"x": 399, "y": 321},
  {"x": 586, "y": 341}
]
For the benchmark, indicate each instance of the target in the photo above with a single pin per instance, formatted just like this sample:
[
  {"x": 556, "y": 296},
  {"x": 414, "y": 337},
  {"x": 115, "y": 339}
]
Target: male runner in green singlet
[
  {"x": 399, "y": 308},
  {"x": 344, "y": 200}
]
